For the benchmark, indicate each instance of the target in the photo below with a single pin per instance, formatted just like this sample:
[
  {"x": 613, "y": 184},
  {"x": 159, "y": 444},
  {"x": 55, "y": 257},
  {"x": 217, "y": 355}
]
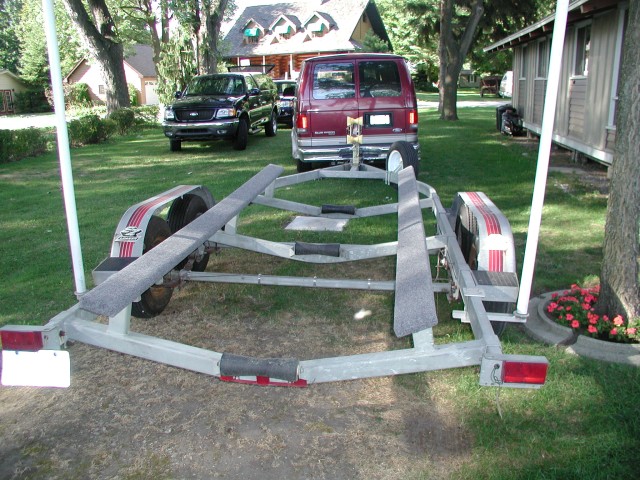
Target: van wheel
[
  {"x": 271, "y": 128},
  {"x": 401, "y": 155},
  {"x": 304, "y": 166},
  {"x": 175, "y": 145},
  {"x": 242, "y": 136}
]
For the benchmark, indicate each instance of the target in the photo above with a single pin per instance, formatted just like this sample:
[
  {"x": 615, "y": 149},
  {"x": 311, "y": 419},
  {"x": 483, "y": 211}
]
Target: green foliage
[
  {"x": 18, "y": 144},
  {"x": 373, "y": 43},
  {"x": 134, "y": 94},
  {"x": 146, "y": 115},
  {"x": 177, "y": 66},
  {"x": 90, "y": 129},
  {"x": 31, "y": 101},
  {"x": 425, "y": 76},
  {"x": 124, "y": 119},
  {"x": 77, "y": 95},
  {"x": 9, "y": 44}
]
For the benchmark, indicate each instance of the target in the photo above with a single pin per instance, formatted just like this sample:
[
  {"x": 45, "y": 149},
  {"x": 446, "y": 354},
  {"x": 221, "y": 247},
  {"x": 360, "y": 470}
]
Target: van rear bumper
[{"x": 344, "y": 152}]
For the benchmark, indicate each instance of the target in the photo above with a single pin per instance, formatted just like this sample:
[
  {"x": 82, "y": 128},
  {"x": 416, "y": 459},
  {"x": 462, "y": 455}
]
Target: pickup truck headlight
[
  {"x": 226, "y": 113},
  {"x": 169, "y": 114}
]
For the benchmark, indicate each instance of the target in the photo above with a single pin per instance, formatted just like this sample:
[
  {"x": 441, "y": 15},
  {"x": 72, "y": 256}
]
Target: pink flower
[
  {"x": 592, "y": 329},
  {"x": 551, "y": 307},
  {"x": 569, "y": 317},
  {"x": 586, "y": 306},
  {"x": 554, "y": 296},
  {"x": 614, "y": 331},
  {"x": 593, "y": 318},
  {"x": 575, "y": 324},
  {"x": 618, "y": 320},
  {"x": 631, "y": 331},
  {"x": 569, "y": 309},
  {"x": 605, "y": 318}
]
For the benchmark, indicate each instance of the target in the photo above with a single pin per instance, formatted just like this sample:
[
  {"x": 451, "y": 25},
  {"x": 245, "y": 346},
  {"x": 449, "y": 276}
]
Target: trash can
[{"x": 499, "y": 111}]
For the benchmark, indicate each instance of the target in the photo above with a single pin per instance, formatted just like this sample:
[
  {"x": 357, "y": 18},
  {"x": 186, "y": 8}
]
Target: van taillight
[
  {"x": 413, "y": 118},
  {"x": 302, "y": 123}
]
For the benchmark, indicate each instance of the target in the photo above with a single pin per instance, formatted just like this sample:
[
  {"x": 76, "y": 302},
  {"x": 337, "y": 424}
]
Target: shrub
[
  {"x": 133, "y": 94},
  {"x": 124, "y": 119},
  {"x": 89, "y": 129},
  {"x": 18, "y": 144},
  {"x": 147, "y": 115},
  {"x": 31, "y": 101},
  {"x": 77, "y": 95}
]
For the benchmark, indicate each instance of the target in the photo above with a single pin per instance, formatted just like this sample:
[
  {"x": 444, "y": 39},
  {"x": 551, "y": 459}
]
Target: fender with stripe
[
  {"x": 496, "y": 249},
  {"x": 128, "y": 239}
]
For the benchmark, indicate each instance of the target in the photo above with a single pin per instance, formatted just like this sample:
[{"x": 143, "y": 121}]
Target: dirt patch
[{"x": 129, "y": 418}]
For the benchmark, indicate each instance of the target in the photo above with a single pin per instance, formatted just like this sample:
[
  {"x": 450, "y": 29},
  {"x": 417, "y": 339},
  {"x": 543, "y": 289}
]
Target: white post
[
  {"x": 548, "y": 116},
  {"x": 63, "y": 147}
]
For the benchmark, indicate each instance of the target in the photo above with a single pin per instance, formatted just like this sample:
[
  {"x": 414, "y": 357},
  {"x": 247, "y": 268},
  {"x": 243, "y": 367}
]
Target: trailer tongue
[{"x": 150, "y": 255}]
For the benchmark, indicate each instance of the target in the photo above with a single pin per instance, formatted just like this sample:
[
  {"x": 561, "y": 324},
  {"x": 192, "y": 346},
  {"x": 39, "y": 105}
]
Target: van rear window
[
  {"x": 333, "y": 80},
  {"x": 379, "y": 79}
]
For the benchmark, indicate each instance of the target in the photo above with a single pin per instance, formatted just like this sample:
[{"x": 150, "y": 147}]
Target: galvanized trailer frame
[{"x": 128, "y": 273}]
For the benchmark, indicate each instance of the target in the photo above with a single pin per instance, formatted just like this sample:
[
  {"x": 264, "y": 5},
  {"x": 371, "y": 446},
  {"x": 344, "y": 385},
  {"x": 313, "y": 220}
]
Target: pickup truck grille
[{"x": 195, "y": 114}]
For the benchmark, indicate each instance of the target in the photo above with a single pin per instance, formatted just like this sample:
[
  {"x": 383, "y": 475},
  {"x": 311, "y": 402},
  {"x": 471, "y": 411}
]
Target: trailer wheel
[
  {"x": 154, "y": 300},
  {"x": 183, "y": 211},
  {"x": 175, "y": 145},
  {"x": 401, "y": 155},
  {"x": 271, "y": 128},
  {"x": 242, "y": 136},
  {"x": 468, "y": 238}
]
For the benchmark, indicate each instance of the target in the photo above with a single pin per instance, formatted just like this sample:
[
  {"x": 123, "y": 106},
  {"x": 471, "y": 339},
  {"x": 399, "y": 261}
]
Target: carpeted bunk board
[
  {"x": 415, "y": 308},
  {"x": 124, "y": 287}
]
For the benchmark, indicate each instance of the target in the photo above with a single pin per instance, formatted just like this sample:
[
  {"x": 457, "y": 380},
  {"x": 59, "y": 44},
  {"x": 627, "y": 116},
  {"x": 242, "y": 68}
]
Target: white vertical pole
[
  {"x": 548, "y": 116},
  {"x": 63, "y": 147}
]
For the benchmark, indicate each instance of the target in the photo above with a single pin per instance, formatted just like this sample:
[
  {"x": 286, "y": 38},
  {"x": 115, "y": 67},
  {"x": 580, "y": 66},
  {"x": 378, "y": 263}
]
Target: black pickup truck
[{"x": 222, "y": 105}]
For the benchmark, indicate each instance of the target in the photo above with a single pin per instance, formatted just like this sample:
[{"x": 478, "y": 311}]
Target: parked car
[
  {"x": 506, "y": 85},
  {"x": 222, "y": 105},
  {"x": 287, "y": 94},
  {"x": 376, "y": 87}
]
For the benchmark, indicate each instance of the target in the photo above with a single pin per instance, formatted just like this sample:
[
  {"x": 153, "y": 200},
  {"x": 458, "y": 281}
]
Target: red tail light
[
  {"x": 24, "y": 341},
  {"x": 523, "y": 372},
  {"x": 413, "y": 117},
  {"x": 302, "y": 122}
]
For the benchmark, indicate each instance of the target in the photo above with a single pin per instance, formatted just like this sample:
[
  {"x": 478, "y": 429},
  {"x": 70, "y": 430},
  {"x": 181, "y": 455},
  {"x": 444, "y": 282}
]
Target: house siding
[
  {"x": 582, "y": 113},
  {"x": 9, "y": 86}
]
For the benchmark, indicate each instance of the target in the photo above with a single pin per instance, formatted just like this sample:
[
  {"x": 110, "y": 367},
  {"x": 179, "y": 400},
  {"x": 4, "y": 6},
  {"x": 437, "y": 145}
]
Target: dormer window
[
  {"x": 283, "y": 31},
  {"x": 318, "y": 25},
  {"x": 284, "y": 27},
  {"x": 251, "y": 35},
  {"x": 317, "y": 29}
]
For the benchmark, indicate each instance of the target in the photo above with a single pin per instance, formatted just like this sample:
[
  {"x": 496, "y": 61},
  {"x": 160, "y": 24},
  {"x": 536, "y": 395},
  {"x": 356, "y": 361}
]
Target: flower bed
[{"x": 574, "y": 308}]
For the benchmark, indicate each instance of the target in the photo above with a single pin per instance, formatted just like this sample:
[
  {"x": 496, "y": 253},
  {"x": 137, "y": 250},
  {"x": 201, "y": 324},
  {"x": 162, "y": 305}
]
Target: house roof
[
  {"x": 342, "y": 17},
  {"x": 578, "y": 10},
  {"x": 141, "y": 60}
]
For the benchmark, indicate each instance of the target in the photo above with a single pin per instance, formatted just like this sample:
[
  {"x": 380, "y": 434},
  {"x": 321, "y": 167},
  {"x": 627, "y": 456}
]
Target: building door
[{"x": 6, "y": 102}]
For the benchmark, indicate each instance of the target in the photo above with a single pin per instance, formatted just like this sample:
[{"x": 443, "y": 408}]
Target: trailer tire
[
  {"x": 154, "y": 300},
  {"x": 467, "y": 235},
  {"x": 401, "y": 155},
  {"x": 183, "y": 211},
  {"x": 242, "y": 135}
]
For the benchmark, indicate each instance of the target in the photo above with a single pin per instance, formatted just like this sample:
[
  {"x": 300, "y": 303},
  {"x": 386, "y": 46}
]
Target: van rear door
[
  {"x": 383, "y": 102},
  {"x": 332, "y": 98}
]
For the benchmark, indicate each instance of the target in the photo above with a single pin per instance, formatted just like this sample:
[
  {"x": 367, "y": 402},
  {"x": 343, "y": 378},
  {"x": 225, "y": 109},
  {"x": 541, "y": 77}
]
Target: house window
[
  {"x": 251, "y": 35},
  {"x": 101, "y": 89},
  {"x": 623, "y": 20},
  {"x": 543, "y": 59},
  {"x": 523, "y": 62},
  {"x": 283, "y": 31},
  {"x": 583, "y": 44}
]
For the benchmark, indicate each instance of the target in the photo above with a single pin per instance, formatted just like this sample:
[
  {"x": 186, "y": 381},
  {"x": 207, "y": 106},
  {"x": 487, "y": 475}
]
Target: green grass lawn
[{"x": 583, "y": 424}]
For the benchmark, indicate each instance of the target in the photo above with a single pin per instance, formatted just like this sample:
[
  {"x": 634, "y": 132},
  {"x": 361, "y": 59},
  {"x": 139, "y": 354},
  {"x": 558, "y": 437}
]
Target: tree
[
  {"x": 9, "y": 14},
  {"x": 99, "y": 35},
  {"x": 619, "y": 278}
]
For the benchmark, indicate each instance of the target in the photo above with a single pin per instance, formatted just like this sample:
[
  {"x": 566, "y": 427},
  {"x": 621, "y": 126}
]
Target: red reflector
[
  {"x": 520, "y": 372},
  {"x": 21, "y": 341},
  {"x": 413, "y": 117},
  {"x": 264, "y": 381}
]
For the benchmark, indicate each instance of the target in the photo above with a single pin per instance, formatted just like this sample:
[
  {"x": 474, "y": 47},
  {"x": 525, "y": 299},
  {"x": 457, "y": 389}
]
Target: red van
[{"x": 376, "y": 87}]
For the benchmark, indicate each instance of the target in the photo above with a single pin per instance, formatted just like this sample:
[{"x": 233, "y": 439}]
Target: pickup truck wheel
[
  {"x": 401, "y": 155},
  {"x": 467, "y": 235},
  {"x": 175, "y": 145},
  {"x": 154, "y": 300},
  {"x": 242, "y": 136},
  {"x": 183, "y": 211},
  {"x": 271, "y": 128}
]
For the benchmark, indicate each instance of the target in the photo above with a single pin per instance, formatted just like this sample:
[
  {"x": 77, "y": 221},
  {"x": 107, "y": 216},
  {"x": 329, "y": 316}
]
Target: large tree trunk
[
  {"x": 99, "y": 36},
  {"x": 213, "y": 21},
  {"x": 452, "y": 51},
  {"x": 620, "y": 285}
]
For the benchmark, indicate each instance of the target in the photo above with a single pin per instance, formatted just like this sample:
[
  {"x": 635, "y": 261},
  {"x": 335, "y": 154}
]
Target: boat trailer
[{"x": 150, "y": 255}]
